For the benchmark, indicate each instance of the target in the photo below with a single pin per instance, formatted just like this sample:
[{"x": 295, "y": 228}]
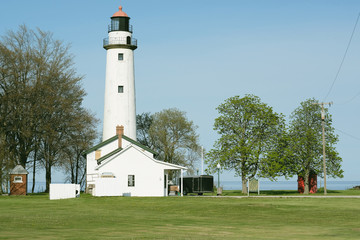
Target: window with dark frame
[
  {"x": 120, "y": 89},
  {"x": 120, "y": 56},
  {"x": 131, "y": 180}
]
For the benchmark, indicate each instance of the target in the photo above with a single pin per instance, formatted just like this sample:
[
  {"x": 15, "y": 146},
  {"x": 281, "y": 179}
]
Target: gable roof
[
  {"x": 139, "y": 145},
  {"x": 19, "y": 170},
  {"x": 114, "y": 138},
  {"x": 121, "y": 151},
  {"x": 96, "y": 147},
  {"x": 108, "y": 155}
]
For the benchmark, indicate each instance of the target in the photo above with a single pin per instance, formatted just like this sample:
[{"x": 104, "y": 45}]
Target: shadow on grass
[
  {"x": 278, "y": 192},
  {"x": 286, "y": 192},
  {"x": 321, "y": 190},
  {"x": 38, "y": 194},
  {"x": 295, "y": 192}
]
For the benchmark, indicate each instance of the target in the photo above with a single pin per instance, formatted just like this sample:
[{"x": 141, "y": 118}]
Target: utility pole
[{"x": 323, "y": 138}]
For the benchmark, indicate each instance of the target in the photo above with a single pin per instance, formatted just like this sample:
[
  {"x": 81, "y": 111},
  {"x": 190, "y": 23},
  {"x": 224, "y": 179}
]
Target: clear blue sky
[{"x": 192, "y": 55}]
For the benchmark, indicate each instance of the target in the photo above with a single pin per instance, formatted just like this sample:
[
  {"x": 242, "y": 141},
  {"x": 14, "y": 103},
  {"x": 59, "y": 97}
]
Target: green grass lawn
[{"x": 87, "y": 217}]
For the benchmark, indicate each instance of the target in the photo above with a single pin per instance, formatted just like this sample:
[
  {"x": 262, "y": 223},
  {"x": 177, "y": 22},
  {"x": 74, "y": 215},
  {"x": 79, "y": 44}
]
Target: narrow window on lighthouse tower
[
  {"x": 120, "y": 89},
  {"x": 120, "y": 56}
]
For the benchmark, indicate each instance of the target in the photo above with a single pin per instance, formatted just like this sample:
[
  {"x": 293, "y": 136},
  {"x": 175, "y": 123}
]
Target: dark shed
[{"x": 198, "y": 184}]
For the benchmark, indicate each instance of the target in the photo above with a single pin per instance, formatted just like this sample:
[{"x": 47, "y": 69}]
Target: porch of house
[{"x": 173, "y": 185}]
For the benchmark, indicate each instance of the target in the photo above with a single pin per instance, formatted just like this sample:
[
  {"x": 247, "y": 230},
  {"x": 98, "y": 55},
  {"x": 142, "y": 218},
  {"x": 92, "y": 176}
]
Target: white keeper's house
[{"x": 119, "y": 165}]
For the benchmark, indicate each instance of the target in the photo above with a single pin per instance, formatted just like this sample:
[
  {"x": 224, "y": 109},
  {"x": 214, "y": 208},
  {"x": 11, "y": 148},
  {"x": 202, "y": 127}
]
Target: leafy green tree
[
  {"x": 278, "y": 159},
  {"x": 305, "y": 148},
  {"x": 248, "y": 129},
  {"x": 173, "y": 136}
]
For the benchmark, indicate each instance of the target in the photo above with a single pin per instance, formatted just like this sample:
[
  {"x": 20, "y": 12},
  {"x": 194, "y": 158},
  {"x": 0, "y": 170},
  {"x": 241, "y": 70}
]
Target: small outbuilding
[
  {"x": 198, "y": 184},
  {"x": 18, "y": 181}
]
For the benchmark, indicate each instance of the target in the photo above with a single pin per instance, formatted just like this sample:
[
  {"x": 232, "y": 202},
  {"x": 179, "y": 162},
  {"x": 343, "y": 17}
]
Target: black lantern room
[{"x": 120, "y": 22}]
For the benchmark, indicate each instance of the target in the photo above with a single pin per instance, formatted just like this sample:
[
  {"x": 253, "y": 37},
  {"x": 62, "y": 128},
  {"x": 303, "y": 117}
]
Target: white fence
[{"x": 64, "y": 191}]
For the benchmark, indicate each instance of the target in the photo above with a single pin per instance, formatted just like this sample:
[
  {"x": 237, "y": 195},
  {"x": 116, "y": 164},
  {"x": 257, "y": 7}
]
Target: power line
[
  {"x": 343, "y": 59},
  {"x": 351, "y": 99},
  {"x": 357, "y": 138}
]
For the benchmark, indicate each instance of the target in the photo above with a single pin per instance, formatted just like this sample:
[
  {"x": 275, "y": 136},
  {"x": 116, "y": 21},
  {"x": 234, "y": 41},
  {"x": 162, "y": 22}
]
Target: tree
[
  {"x": 16, "y": 95},
  {"x": 143, "y": 123},
  {"x": 61, "y": 109},
  {"x": 278, "y": 159},
  {"x": 5, "y": 165},
  {"x": 249, "y": 129},
  {"x": 305, "y": 148},
  {"x": 172, "y": 135},
  {"x": 40, "y": 98},
  {"x": 80, "y": 139}
]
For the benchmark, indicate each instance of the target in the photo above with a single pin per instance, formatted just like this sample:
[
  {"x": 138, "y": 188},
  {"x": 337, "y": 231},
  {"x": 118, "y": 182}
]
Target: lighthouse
[
  {"x": 119, "y": 165},
  {"x": 119, "y": 102}
]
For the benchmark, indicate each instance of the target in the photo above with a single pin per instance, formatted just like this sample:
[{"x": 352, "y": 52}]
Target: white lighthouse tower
[{"x": 119, "y": 105}]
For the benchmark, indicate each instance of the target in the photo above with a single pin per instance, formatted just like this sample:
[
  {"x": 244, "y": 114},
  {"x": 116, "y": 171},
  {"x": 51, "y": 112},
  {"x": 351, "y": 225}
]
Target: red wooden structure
[
  {"x": 312, "y": 184},
  {"x": 18, "y": 181}
]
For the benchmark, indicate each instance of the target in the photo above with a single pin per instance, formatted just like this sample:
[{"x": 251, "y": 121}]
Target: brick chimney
[
  {"x": 119, "y": 132},
  {"x": 97, "y": 154}
]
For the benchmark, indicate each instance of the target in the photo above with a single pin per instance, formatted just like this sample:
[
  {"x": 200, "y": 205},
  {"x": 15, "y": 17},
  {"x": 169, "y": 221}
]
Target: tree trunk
[
  {"x": 82, "y": 181},
  {"x": 77, "y": 170},
  {"x": 23, "y": 159},
  {"x": 1, "y": 181},
  {"x": 48, "y": 176},
  {"x": 24, "y": 153},
  {"x": 306, "y": 181},
  {"x": 244, "y": 185},
  {"x": 33, "y": 181},
  {"x": 72, "y": 173},
  {"x": 34, "y": 168}
]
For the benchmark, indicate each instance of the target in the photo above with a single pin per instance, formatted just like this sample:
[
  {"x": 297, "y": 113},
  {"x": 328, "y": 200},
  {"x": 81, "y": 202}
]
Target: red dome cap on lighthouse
[{"x": 120, "y": 13}]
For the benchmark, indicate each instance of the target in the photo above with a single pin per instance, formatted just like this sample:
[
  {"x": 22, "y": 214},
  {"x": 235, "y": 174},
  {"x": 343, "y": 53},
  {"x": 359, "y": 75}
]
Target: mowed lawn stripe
[{"x": 178, "y": 218}]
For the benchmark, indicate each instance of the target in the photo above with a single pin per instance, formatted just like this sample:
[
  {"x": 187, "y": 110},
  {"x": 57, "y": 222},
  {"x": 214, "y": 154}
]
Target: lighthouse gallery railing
[{"x": 119, "y": 40}]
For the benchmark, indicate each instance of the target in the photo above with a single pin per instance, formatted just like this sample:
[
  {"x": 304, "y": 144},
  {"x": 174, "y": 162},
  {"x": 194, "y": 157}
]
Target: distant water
[
  {"x": 39, "y": 186},
  {"x": 290, "y": 185},
  {"x": 264, "y": 185}
]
